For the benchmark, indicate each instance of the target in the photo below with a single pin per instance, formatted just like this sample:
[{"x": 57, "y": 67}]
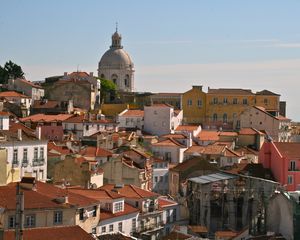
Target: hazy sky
[{"x": 174, "y": 44}]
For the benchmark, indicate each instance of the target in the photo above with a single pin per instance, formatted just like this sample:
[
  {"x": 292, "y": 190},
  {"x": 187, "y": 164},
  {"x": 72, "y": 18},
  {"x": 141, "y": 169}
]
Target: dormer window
[{"x": 118, "y": 207}]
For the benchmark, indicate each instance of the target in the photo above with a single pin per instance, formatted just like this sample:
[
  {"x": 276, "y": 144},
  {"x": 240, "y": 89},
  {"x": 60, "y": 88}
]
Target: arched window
[
  {"x": 114, "y": 78},
  {"x": 126, "y": 82},
  {"x": 215, "y": 117},
  {"x": 102, "y": 76},
  {"x": 224, "y": 118}
]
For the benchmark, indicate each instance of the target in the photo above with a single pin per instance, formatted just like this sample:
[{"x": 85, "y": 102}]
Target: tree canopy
[
  {"x": 10, "y": 69},
  {"x": 107, "y": 87}
]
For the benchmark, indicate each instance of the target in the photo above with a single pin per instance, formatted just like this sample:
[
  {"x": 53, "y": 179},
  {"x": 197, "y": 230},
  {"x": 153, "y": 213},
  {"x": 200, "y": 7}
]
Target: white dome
[{"x": 116, "y": 58}]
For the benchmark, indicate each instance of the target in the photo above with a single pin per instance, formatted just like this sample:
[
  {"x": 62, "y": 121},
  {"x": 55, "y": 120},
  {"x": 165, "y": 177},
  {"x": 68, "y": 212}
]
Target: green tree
[
  {"x": 10, "y": 69},
  {"x": 107, "y": 87}
]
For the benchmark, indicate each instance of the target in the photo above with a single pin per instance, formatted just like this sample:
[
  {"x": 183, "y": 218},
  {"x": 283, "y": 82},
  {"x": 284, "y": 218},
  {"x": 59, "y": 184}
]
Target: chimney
[
  {"x": 38, "y": 132},
  {"x": 28, "y": 183},
  {"x": 189, "y": 141},
  {"x": 20, "y": 134},
  {"x": 65, "y": 74},
  {"x": 91, "y": 74},
  {"x": 197, "y": 87}
]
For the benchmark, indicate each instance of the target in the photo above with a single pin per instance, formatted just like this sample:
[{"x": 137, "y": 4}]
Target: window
[
  {"x": 290, "y": 179},
  {"x": 224, "y": 118},
  {"x": 94, "y": 231},
  {"x": 25, "y": 155},
  {"x": 235, "y": 101},
  {"x": 11, "y": 221},
  {"x": 29, "y": 221},
  {"x": 168, "y": 216},
  {"x": 225, "y": 100},
  {"x": 15, "y": 156},
  {"x": 87, "y": 127},
  {"x": 35, "y": 153},
  {"x": 199, "y": 103},
  {"x": 168, "y": 156},
  {"x": 156, "y": 179},
  {"x": 41, "y": 152},
  {"x": 136, "y": 204},
  {"x": 266, "y": 101},
  {"x": 120, "y": 226},
  {"x": 215, "y": 100},
  {"x": 133, "y": 223},
  {"x": 292, "y": 166},
  {"x": 215, "y": 117},
  {"x": 174, "y": 215},
  {"x": 161, "y": 179},
  {"x": 189, "y": 102},
  {"x": 125, "y": 82},
  {"x": 81, "y": 211},
  {"x": 95, "y": 211},
  {"x": 58, "y": 217},
  {"x": 245, "y": 101},
  {"x": 118, "y": 207},
  {"x": 103, "y": 229},
  {"x": 111, "y": 227}
]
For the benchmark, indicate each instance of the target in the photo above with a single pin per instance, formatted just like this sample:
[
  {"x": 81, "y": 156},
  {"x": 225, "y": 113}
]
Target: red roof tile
[
  {"x": 51, "y": 233},
  {"x": 46, "y": 118},
  {"x": 4, "y": 114},
  {"x": 133, "y": 113},
  {"x": 169, "y": 142},
  {"x": 90, "y": 151},
  {"x": 206, "y": 135},
  {"x": 28, "y": 82},
  {"x": 229, "y": 134},
  {"x": 131, "y": 191},
  {"x": 164, "y": 202},
  {"x": 187, "y": 128},
  {"x": 127, "y": 210},
  {"x": 225, "y": 234},
  {"x": 249, "y": 131},
  {"x": 288, "y": 149},
  {"x": 12, "y": 94}
]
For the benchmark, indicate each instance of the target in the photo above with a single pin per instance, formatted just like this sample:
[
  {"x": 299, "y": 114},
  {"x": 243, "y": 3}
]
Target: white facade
[
  {"x": 26, "y": 87},
  {"x": 160, "y": 177},
  {"x": 278, "y": 128},
  {"x": 4, "y": 121},
  {"x": 173, "y": 154},
  {"x": 170, "y": 217},
  {"x": 128, "y": 119},
  {"x": 29, "y": 157},
  {"x": 161, "y": 119},
  {"x": 116, "y": 65}
]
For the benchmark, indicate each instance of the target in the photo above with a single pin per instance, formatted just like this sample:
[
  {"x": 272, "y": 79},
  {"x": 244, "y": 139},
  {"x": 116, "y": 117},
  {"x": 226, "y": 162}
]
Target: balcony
[
  {"x": 38, "y": 162},
  {"x": 150, "y": 227},
  {"x": 24, "y": 163}
]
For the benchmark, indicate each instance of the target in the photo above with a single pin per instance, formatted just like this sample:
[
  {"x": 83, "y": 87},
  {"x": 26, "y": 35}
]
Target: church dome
[{"x": 116, "y": 58}]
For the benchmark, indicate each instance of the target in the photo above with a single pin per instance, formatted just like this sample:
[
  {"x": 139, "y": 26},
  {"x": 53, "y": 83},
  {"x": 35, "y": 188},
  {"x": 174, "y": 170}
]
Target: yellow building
[
  {"x": 7, "y": 173},
  {"x": 194, "y": 105},
  {"x": 223, "y": 106}
]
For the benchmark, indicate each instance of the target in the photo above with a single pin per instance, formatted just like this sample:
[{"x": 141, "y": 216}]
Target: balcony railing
[
  {"x": 150, "y": 227},
  {"x": 38, "y": 162}
]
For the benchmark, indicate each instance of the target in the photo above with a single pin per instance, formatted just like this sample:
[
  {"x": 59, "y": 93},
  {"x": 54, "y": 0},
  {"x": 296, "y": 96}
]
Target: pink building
[{"x": 283, "y": 158}]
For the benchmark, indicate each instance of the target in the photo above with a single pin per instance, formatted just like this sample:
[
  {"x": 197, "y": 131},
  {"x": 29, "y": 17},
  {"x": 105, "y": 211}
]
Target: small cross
[{"x": 116, "y": 26}]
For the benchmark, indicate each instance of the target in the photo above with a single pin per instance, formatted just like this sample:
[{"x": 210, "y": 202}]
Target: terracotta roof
[
  {"x": 4, "y": 114},
  {"x": 28, "y": 82},
  {"x": 206, "y": 135},
  {"x": 249, "y": 131},
  {"x": 174, "y": 136},
  {"x": 84, "y": 118},
  {"x": 162, "y": 105},
  {"x": 134, "y": 152},
  {"x": 98, "y": 194},
  {"x": 91, "y": 151},
  {"x": 12, "y": 134},
  {"x": 208, "y": 149},
  {"x": 133, "y": 113},
  {"x": 176, "y": 235},
  {"x": 79, "y": 74},
  {"x": 127, "y": 210},
  {"x": 13, "y": 94},
  {"x": 229, "y": 134},
  {"x": 230, "y": 153},
  {"x": 51, "y": 233},
  {"x": 164, "y": 202},
  {"x": 225, "y": 234},
  {"x": 130, "y": 191},
  {"x": 45, "y": 104},
  {"x": 288, "y": 149},
  {"x": 64, "y": 150},
  {"x": 198, "y": 228},
  {"x": 46, "y": 118},
  {"x": 246, "y": 150},
  {"x": 187, "y": 128},
  {"x": 115, "y": 236},
  {"x": 191, "y": 163},
  {"x": 280, "y": 118},
  {"x": 230, "y": 91},
  {"x": 42, "y": 198},
  {"x": 166, "y": 94},
  {"x": 169, "y": 142},
  {"x": 267, "y": 93}
]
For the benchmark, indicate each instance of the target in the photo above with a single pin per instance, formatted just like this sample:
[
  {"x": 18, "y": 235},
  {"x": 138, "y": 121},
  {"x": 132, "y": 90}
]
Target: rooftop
[
  {"x": 133, "y": 113},
  {"x": 46, "y": 118},
  {"x": 230, "y": 91},
  {"x": 13, "y": 94},
  {"x": 288, "y": 149},
  {"x": 212, "y": 178}
]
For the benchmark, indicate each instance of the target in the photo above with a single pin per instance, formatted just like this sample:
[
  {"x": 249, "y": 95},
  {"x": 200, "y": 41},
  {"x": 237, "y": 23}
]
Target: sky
[{"x": 173, "y": 44}]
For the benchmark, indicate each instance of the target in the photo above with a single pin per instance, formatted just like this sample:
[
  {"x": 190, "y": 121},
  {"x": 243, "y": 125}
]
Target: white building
[
  {"x": 4, "y": 121},
  {"x": 26, "y": 152},
  {"x": 116, "y": 214},
  {"x": 169, "y": 149},
  {"x": 83, "y": 125},
  {"x": 19, "y": 99},
  {"x": 28, "y": 88},
  {"x": 131, "y": 119},
  {"x": 116, "y": 65},
  {"x": 160, "y": 176},
  {"x": 160, "y": 119},
  {"x": 277, "y": 127}
]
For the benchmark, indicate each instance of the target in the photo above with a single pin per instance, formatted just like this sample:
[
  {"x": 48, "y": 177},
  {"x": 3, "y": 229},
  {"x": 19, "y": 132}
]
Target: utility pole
[{"x": 19, "y": 213}]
